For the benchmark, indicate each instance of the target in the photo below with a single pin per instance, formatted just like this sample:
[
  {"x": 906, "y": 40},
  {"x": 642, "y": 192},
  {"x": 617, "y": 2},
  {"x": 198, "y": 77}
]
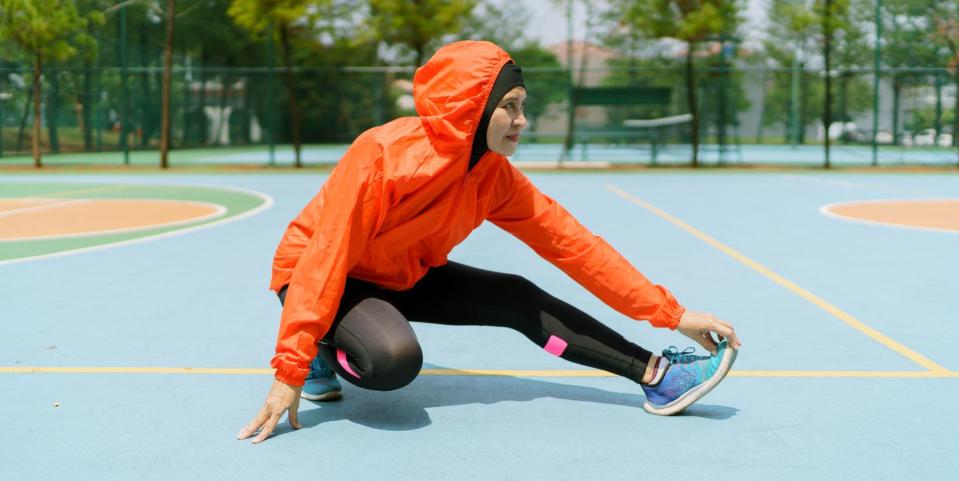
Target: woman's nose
[{"x": 520, "y": 121}]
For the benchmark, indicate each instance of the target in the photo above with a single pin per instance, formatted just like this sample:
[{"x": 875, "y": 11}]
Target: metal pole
[
  {"x": 938, "y": 105},
  {"x": 794, "y": 111},
  {"x": 875, "y": 85},
  {"x": 270, "y": 102},
  {"x": 569, "y": 80},
  {"x": 125, "y": 107},
  {"x": 2, "y": 76}
]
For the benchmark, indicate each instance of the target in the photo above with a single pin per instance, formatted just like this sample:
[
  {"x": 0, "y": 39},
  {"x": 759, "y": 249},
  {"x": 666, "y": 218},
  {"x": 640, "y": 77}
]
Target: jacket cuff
[
  {"x": 289, "y": 373},
  {"x": 669, "y": 313}
]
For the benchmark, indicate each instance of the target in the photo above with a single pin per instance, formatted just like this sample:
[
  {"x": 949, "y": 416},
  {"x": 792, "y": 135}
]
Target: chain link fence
[{"x": 745, "y": 115}]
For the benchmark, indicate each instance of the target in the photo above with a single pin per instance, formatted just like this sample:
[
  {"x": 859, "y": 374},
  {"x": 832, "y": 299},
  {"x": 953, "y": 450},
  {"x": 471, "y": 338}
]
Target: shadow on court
[{"x": 406, "y": 409}]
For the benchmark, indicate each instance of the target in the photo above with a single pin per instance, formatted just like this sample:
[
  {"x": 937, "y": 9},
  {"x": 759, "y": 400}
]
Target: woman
[{"x": 368, "y": 254}]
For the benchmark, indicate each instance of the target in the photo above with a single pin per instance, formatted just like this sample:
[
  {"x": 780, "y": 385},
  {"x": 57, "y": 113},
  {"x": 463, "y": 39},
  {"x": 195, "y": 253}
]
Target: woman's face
[{"x": 507, "y": 121}]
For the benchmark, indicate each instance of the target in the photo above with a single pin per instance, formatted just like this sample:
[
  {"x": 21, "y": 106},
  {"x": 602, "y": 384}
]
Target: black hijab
[{"x": 510, "y": 76}]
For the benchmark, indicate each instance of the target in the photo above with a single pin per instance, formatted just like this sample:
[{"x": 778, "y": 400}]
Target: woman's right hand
[
  {"x": 700, "y": 326},
  {"x": 282, "y": 398}
]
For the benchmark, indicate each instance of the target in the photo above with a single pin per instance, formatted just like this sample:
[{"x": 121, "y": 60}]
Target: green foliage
[
  {"x": 795, "y": 34},
  {"x": 686, "y": 20},
  {"x": 494, "y": 22},
  {"x": 853, "y": 95},
  {"x": 925, "y": 118},
  {"x": 256, "y": 16},
  {"x": 418, "y": 24},
  {"x": 46, "y": 29},
  {"x": 546, "y": 82},
  {"x": 946, "y": 34},
  {"x": 907, "y": 28}
]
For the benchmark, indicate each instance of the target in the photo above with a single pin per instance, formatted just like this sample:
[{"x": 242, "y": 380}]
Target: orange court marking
[
  {"x": 937, "y": 214},
  {"x": 35, "y": 218}
]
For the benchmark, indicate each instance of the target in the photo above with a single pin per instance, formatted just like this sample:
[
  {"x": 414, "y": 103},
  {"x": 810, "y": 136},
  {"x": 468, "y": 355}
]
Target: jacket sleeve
[
  {"x": 539, "y": 221},
  {"x": 342, "y": 219}
]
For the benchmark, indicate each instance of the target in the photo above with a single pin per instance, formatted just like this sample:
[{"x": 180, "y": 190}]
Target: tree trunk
[
  {"x": 844, "y": 106},
  {"x": 827, "y": 101},
  {"x": 87, "y": 98},
  {"x": 37, "y": 69},
  {"x": 86, "y": 106},
  {"x": 691, "y": 100},
  {"x": 167, "y": 73},
  {"x": 53, "y": 110},
  {"x": 202, "y": 127},
  {"x": 420, "y": 53},
  {"x": 291, "y": 91},
  {"x": 23, "y": 119},
  {"x": 145, "y": 127}
]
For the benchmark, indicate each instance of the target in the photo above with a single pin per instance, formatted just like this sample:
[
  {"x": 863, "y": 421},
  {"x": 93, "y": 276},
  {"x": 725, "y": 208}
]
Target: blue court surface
[{"x": 142, "y": 360}]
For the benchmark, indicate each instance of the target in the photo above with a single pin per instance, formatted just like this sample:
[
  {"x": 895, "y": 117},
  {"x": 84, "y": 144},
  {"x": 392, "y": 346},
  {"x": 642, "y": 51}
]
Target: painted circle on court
[
  {"x": 928, "y": 214},
  {"x": 40, "y": 218}
]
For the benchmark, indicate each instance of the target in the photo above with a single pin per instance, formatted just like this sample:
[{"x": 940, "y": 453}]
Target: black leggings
[{"x": 372, "y": 345}]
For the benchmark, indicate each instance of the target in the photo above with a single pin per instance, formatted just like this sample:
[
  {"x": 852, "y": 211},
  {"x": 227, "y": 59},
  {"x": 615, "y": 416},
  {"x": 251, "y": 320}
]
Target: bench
[{"x": 652, "y": 131}]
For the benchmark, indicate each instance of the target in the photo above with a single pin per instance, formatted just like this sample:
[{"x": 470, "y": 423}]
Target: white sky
[{"x": 548, "y": 20}]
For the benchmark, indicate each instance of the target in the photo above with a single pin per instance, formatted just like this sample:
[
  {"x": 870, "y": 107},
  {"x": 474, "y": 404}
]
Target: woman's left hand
[{"x": 700, "y": 326}]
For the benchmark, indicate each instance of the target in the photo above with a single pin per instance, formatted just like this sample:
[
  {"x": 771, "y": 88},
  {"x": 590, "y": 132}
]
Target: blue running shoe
[
  {"x": 321, "y": 384},
  {"x": 688, "y": 379}
]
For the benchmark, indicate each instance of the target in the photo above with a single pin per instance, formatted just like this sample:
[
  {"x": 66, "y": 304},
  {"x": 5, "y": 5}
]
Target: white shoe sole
[
  {"x": 330, "y": 396},
  {"x": 696, "y": 393}
]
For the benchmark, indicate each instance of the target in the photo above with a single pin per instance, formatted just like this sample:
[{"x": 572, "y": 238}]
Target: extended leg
[{"x": 458, "y": 294}]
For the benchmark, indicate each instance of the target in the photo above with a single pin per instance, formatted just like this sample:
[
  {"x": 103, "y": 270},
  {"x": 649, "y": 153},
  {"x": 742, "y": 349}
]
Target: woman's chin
[{"x": 505, "y": 149}]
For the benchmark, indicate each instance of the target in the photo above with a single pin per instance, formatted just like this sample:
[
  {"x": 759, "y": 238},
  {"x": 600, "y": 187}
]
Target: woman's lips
[{"x": 514, "y": 137}]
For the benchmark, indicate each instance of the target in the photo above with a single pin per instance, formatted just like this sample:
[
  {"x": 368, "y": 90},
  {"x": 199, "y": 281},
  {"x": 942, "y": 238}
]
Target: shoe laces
[{"x": 675, "y": 356}]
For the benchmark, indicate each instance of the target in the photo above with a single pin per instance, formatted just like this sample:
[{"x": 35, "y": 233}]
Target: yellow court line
[
  {"x": 835, "y": 311},
  {"x": 467, "y": 372}
]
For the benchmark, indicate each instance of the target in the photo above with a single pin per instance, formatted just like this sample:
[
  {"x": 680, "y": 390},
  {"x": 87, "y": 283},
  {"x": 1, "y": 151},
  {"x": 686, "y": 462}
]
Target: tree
[
  {"x": 907, "y": 28},
  {"x": 167, "y": 73},
  {"x": 689, "y": 21},
  {"x": 46, "y": 30},
  {"x": 793, "y": 34},
  {"x": 834, "y": 21},
  {"x": 946, "y": 33},
  {"x": 286, "y": 16},
  {"x": 417, "y": 24}
]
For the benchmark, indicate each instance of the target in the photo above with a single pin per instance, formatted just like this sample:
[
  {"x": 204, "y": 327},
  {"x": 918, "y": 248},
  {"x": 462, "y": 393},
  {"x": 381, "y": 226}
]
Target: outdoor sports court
[{"x": 136, "y": 350}]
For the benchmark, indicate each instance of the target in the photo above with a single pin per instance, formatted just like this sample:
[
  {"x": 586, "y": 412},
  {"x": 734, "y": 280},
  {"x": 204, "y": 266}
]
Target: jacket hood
[{"x": 450, "y": 92}]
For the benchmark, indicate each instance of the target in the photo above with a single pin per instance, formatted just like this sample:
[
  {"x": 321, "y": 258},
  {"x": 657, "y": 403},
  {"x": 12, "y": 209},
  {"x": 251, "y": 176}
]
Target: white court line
[
  {"x": 826, "y": 210},
  {"x": 33, "y": 208},
  {"x": 267, "y": 203}
]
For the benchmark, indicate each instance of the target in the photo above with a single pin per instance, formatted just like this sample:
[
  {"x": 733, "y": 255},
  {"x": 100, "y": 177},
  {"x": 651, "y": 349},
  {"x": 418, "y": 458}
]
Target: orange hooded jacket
[{"x": 401, "y": 198}]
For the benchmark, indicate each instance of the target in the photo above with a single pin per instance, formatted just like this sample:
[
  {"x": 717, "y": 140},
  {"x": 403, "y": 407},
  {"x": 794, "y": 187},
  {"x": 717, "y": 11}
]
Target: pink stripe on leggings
[
  {"x": 555, "y": 346},
  {"x": 341, "y": 357}
]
